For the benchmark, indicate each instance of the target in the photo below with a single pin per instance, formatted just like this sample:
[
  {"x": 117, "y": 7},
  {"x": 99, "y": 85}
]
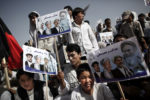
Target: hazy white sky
[{"x": 15, "y": 12}]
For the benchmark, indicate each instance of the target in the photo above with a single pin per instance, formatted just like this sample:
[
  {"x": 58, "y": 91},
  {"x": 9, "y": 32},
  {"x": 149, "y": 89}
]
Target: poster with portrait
[
  {"x": 147, "y": 2},
  {"x": 119, "y": 61},
  {"x": 47, "y": 43},
  {"x": 53, "y": 24},
  {"x": 106, "y": 37},
  {"x": 38, "y": 61}
]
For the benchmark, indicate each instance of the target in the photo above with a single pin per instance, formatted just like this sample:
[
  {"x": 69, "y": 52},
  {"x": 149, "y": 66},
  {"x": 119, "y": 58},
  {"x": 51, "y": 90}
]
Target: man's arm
[
  {"x": 64, "y": 85},
  {"x": 61, "y": 80},
  {"x": 93, "y": 38}
]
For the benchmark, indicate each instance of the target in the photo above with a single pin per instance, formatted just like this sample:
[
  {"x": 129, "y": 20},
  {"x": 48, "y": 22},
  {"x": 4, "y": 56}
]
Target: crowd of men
[{"x": 75, "y": 80}]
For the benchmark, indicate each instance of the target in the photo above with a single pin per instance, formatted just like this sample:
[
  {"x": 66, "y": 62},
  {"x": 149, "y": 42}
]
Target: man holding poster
[{"x": 69, "y": 81}]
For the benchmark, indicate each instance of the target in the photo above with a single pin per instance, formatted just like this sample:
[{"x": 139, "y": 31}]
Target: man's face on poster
[
  {"x": 56, "y": 22},
  {"x": 29, "y": 58},
  {"x": 96, "y": 67},
  {"x": 128, "y": 50},
  {"x": 48, "y": 25},
  {"x": 119, "y": 62},
  {"x": 38, "y": 60},
  {"x": 63, "y": 15},
  {"x": 107, "y": 65}
]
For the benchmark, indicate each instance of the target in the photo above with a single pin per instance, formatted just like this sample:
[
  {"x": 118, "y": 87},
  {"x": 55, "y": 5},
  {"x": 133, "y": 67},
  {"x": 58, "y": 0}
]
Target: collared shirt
[
  {"x": 29, "y": 63},
  {"x": 59, "y": 29},
  {"x": 100, "y": 92},
  {"x": 48, "y": 31},
  {"x": 126, "y": 72},
  {"x": 84, "y": 37}
]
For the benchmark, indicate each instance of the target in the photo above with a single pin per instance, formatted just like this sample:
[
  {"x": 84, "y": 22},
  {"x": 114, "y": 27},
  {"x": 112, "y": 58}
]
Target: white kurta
[
  {"x": 84, "y": 37},
  {"x": 101, "y": 92}
]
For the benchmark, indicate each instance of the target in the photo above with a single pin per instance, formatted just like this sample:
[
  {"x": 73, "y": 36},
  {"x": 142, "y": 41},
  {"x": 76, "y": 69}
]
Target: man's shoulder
[
  {"x": 136, "y": 23},
  {"x": 98, "y": 86},
  {"x": 114, "y": 70},
  {"x": 26, "y": 62},
  {"x": 32, "y": 65}
]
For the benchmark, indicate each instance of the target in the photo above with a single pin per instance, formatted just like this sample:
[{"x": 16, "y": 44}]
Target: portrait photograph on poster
[
  {"x": 119, "y": 61},
  {"x": 38, "y": 61},
  {"x": 106, "y": 37},
  {"x": 53, "y": 24},
  {"x": 47, "y": 43}
]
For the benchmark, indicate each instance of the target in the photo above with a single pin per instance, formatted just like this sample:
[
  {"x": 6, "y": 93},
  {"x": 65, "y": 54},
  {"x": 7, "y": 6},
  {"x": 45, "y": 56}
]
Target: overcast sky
[{"x": 15, "y": 12}]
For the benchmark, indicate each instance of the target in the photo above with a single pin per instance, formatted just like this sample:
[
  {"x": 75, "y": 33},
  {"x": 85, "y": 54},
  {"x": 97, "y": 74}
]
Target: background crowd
[{"x": 75, "y": 80}]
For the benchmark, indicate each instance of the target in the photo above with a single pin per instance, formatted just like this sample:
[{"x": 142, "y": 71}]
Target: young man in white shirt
[{"x": 82, "y": 33}]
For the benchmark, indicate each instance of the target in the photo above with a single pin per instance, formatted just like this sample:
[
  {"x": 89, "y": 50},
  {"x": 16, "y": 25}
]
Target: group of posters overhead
[{"x": 115, "y": 61}]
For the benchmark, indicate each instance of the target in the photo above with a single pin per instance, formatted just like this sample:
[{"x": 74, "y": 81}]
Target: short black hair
[
  {"x": 87, "y": 21},
  {"x": 68, "y": 7},
  {"x": 149, "y": 14},
  {"x": 107, "y": 19},
  {"x": 120, "y": 35},
  {"x": 117, "y": 57},
  {"x": 73, "y": 47},
  {"x": 22, "y": 72},
  {"x": 141, "y": 15},
  {"x": 76, "y": 11},
  {"x": 95, "y": 62},
  {"x": 83, "y": 67}
]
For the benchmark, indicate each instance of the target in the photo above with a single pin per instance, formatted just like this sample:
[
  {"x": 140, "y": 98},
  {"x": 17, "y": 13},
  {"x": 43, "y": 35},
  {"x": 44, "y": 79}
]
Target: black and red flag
[{"x": 9, "y": 48}]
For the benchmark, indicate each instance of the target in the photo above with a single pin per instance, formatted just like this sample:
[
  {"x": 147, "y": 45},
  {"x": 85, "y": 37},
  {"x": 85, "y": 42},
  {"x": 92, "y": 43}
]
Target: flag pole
[
  {"x": 121, "y": 91},
  {"x": 6, "y": 73},
  {"x": 46, "y": 86},
  {"x": 57, "y": 56}
]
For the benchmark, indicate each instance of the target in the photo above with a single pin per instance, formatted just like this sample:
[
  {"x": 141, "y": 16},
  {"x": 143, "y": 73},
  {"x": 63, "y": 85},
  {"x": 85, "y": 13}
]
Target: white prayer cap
[
  {"x": 33, "y": 13},
  {"x": 135, "y": 15},
  {"x": 99, "y": 21}
]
